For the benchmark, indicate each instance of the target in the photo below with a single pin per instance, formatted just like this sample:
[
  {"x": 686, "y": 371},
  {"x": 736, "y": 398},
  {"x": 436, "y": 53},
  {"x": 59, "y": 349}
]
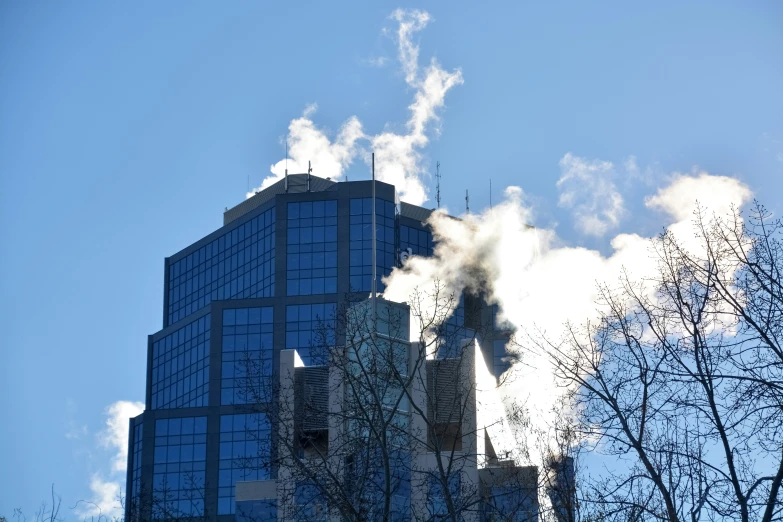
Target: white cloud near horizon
[
  {"x": 397, "y": 155},
  {"x": 587, "y": 188},
  {"x": 106, "y": 492},
  {"x": 115, "y": 435}
]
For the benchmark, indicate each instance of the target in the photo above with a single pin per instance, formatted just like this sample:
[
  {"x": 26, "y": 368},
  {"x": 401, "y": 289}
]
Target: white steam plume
[
  {"x": 397, "y": 156},
  {"x": 540, "y": 286},
  {"x": 106, "y": 493},
  {"x": 306, "y": 142}
]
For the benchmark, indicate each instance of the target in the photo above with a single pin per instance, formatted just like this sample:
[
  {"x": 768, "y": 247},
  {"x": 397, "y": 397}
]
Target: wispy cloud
[
  {"x": 107, "y": 488},
  {"x": 397, "y": 155},
  {"x": 772, "y": 145},
  {"x": 308, "y": 143},
  {"x": 411, "y": 21},
  {"x": 73, "y": 429},
  {"x": 587, "y": 188},
  {"x": 378, "y": 61}
]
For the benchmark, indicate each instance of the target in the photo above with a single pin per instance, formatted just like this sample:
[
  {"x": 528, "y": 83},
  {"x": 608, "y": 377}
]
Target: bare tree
[
  {"x": 46, "y": 512},
  {"x": 394, "y": 423},
  {"x": 680, "y": 381}
]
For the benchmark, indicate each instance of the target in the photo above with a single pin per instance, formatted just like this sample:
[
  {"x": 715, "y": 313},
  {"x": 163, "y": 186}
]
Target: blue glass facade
[
  {"x": 419, "y": 241},
  {"x": 312, "y": 248},
  {"x": 204, "y": 284},
  {"x": 247, "y": 355},
  {"x": 436, "y": 497},
  {"x": 256, "y": 510},
  {"x": 180, "y": 466},
  {"x": 310, "y": 505},
  {"x": 400, "y": 486},
  {"x": 310, "y": 329},
  {"x": 239, "y": 264},
  {"x": 509, "y": 503},
  {"x": 453, "y": 331},
  {"x": 499, "y": 357},
  {"x": 361, "y": 242},
  {"x": 245, "y": 453},
  {"x": 138, "y": 430},
  {"x": 180, "y": 367}
]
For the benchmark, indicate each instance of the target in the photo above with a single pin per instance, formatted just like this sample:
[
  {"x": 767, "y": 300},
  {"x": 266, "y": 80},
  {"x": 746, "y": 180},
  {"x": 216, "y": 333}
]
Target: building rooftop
[{"x": 298, "y": 184}]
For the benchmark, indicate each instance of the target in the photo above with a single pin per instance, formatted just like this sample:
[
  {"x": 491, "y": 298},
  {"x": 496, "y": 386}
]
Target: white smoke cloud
[
  {"x": 397, "y": 155},
  {"x": 411, "y": 21},
  {"x": 587, "y": 188},
  {"x": 106, "y": 493},
  {"x": 539, "y": 285},
  {"x": 306, "y": 142}
]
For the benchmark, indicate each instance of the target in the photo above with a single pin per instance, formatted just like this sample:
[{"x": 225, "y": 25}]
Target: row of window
[
  {"x": 312, "y": 209},
  {"x": 138, "y": 431},
  {"x": 180, "y": 367},
  {"x": 312, "y": 248},
  {"x": 221, "y": 268},
  {"x": 360, "y": 275},
  {"x": 245, "y": 450},
  {"x": 180, "y": 370},
  {"x": 417, "y": 240},
  {"x": 180, "y": 360},
  {"x": 239, "y": 264},
  {"x": 247, "y": 355},
  {"x": 231, "y": 238},
  {"x": 254, "y": 277},
  {"x": 310, "y": 330},
  {"x": 245, "y": 454},
  {"x": 383, "y": 208},
  {"x": 251, "y": 284},
  {"x": 180, "y": 462},
  {"x": 179, "y": 467},
  {"x": 452, "y": 332}
]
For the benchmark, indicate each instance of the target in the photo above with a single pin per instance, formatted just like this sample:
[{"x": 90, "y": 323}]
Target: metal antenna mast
[
  {"x": 467, "y": 202},
  {"x": 309, "y": 170},
  {"x": 490, "y": 192},
  {"x": 437, "y": 183},
  {"x": 374, "y": 269},
  {"x": 286, "y": 163}
]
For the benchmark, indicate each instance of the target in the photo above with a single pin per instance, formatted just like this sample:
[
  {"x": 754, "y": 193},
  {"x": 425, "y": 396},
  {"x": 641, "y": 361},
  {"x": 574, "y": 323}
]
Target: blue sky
[{"x": 125, "y": 129}]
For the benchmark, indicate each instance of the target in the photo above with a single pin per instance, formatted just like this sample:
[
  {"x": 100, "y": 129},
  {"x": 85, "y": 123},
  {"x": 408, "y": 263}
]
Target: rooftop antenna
[
  {"x": 309, "y": 170},
  {"x": 467, "y": 202},
  {"x": 374, "y": 269},
  {"x": 286, "y": 164},
  {"x": 437, "y": 180},
  {"x": 490, "y": 192}
]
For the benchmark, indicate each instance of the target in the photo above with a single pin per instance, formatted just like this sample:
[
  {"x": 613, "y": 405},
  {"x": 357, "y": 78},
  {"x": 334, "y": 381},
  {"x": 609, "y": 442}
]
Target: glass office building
[{"x": 282, "y": 263}]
